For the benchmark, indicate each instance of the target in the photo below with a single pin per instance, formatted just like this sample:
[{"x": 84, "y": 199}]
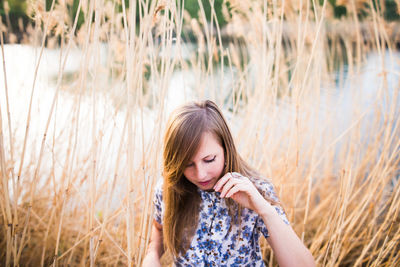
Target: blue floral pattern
[{"x": 218, "y": 243}]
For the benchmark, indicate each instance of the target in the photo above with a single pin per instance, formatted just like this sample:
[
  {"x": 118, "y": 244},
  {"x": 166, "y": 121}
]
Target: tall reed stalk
[{"x": 78, "y": 172}]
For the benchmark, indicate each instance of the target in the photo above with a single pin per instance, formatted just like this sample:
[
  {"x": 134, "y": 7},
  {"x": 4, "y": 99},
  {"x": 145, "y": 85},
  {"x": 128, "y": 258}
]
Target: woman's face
[{"x": 206, "y": 166}]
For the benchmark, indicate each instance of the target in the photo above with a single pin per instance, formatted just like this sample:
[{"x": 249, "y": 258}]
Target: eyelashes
[
  {"x": 205, "y": 160},
  {"x": 210, "y": 160}
]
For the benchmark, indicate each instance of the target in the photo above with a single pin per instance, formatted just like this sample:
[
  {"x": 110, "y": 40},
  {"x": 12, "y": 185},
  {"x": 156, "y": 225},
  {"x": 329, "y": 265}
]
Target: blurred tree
[
  {"x": 193, "y": 8},
  {"x": 338, "y": 9},
  {"x": 72, "y": 10},
  {"x": 388, "y": 8},
  {"x": 13, "y": 10},
  {"x": 13, "y": 13},
  {"x": 391, "y": 11}
]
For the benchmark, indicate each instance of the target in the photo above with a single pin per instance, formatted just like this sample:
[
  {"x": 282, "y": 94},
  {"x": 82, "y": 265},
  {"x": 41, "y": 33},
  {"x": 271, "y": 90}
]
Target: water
[{"x": 361, "y": 96}]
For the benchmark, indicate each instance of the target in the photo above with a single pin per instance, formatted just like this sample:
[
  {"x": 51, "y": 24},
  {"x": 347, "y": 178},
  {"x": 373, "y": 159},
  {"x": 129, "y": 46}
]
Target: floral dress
[{"x": 213, "y": 243}]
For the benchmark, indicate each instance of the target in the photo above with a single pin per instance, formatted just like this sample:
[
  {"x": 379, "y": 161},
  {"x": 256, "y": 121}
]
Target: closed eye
[
  {"x": 190, "y": 165},
  {"x": 210, "y": 160}
]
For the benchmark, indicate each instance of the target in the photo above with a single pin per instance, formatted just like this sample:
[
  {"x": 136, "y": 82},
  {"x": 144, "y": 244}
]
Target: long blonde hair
[{"x": 181, "y": 198}]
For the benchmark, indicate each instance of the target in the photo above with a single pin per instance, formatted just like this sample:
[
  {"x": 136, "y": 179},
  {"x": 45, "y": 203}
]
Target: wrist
[{"x": 266, "y": 210}]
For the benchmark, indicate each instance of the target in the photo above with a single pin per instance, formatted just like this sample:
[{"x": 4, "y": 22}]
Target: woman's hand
[
  {"x": 288, "y": 248},
  {"x": 155, "y": 249},
  {"x": 242, "y": 191}
]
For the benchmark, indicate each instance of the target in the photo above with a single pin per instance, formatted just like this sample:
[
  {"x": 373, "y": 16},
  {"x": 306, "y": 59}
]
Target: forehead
[{"x": 209, "y": 144}]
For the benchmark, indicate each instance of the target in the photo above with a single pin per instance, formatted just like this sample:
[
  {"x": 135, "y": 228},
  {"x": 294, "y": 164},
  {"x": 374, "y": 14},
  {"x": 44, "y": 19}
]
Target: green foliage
[
  {"x": 391, "y": 13},
  {"x": 332, "y": 2},
  {"x": 376, "y": 4},
  {"x": 16, "y": 5},
  {"x": 72, "y": 10},
  {"x": 48, "y": 4},
  {"x": 17, "y": 11},
  {"x": 339, "y": 11},
  {"x": 119, "y": 5},
  {"x": 193, "y": 8},
  {"x": 390, "y": 8}
]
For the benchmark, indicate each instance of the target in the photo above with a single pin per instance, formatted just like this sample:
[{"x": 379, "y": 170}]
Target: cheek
[
  {"x": 187, "y": 173},
  {"x": 220, "y": 167}
]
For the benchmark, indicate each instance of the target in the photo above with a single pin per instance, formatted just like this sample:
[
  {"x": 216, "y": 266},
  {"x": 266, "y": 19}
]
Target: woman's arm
[
  {"x": 287, "y": 247},
  {"x": 156, "y": 248}
]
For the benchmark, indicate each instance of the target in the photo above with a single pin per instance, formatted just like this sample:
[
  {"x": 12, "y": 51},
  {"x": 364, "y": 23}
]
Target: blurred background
[{"x": 310, "y": 90}]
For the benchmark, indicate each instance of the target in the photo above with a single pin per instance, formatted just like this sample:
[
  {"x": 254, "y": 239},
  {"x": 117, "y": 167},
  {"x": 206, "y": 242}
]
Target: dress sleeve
[
  {"x": 268, "y": 190},
  {"x": 158, "y": 203}
]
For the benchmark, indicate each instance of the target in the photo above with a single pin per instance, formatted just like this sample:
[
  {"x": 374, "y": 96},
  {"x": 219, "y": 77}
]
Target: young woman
[{"x": 212, "y": 207}]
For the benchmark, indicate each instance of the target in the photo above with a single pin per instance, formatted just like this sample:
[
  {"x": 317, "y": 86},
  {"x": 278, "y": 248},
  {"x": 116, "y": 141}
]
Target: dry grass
[{"x": 78, "y": 189}]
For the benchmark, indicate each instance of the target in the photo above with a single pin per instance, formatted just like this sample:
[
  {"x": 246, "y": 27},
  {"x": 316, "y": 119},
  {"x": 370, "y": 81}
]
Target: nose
[{"x": 201, "y": 172}]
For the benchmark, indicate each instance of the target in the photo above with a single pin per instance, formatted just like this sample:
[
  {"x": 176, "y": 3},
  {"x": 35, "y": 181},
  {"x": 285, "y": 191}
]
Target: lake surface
[{"x": 358, "y": 97}]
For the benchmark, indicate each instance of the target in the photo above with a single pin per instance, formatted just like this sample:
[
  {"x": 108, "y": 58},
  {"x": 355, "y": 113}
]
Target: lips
[{"x": 205, "y": 183}]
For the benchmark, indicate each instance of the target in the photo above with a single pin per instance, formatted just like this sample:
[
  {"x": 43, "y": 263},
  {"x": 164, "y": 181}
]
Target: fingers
[
  {"x": 227, "y": 186},
  {"x": 222, "y": 181},
  {"x": 228, "y": 181},
  {"x": 236, "y": 188}
]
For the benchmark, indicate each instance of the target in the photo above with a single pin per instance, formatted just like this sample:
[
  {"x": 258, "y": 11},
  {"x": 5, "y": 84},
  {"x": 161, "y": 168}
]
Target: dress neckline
[{"x": 209, "y": 195}]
